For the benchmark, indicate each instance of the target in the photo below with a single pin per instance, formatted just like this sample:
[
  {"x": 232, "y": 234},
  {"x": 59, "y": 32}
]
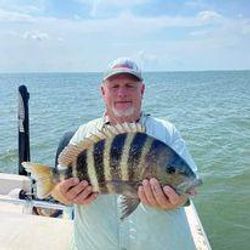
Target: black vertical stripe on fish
[
  {"x": 116, "y": 154},
  {"x": 91, "y": 170},
  {"x": 68, "y": 172},
  {"x": 82, "y": 166},
  {"x": 154, "y": 155},
  {"x": 157, "y": 146},
  {"x": 135, "y": 151},
  {"x": 141, "y": 170},
  {"x": 176, "y": 160},
  {"x": 98, "y": 154}
]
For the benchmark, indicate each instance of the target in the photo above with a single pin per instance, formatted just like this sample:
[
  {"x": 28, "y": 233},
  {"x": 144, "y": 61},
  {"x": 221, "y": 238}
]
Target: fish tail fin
[{"x": 43, "y": 176}]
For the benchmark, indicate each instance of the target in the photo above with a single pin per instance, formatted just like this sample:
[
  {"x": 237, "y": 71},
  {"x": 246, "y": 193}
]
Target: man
[{"x": 159, "y": 222}]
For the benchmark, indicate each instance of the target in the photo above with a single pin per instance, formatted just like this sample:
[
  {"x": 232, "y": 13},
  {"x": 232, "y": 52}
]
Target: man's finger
[
  {"x": 67, "y": 184},
  {"x": 142, "y": 196},
  {"x": 76, "y": 190},
  {"x": 173, "y": 197},
  {"x": 148, "y": 193},
  {"x": 82, "y": 200},
  {"x": 83, "y": 194},
  {"x": 158, "y": 193}
]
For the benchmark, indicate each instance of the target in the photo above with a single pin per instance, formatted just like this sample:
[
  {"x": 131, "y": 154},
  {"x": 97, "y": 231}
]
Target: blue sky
[{"x": 84, "y": 35}]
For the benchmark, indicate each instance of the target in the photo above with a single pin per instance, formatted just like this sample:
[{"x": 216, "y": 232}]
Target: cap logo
[{"x": 127, "y": 66}]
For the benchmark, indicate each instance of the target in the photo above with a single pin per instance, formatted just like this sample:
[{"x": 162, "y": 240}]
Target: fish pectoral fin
[
  {"x": 130, "y": 199},
  {"x": 43, "y": 176},
  {"x": 128, "y": 205}
]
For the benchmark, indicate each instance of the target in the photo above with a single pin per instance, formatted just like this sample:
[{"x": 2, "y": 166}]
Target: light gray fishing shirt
[{"x": 97, "y": 226}]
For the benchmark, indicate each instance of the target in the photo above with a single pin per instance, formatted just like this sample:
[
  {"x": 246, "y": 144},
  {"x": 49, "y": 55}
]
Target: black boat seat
[{"x": 62, "y": 144}]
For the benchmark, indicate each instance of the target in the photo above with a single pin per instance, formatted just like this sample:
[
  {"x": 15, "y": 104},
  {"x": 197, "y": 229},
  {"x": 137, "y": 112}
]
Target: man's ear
[
  {"x": 102, "y": 90},
  {"x": 142, "y": 89}
]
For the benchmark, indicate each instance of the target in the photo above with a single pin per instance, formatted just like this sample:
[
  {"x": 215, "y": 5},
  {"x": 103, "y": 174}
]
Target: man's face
[{"x": 122, "y": 95}]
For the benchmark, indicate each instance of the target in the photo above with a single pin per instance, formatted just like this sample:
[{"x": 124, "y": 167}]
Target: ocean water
[{"x": 211, "y": 110}]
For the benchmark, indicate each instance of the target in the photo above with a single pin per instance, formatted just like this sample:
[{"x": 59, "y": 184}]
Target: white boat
[{"x": 22, "y": 229}]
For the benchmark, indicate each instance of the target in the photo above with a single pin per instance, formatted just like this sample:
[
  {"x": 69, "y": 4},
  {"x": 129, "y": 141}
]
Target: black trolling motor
[
  {"x": 41, "y": 207},
  {"x": 23, "y": 128}
]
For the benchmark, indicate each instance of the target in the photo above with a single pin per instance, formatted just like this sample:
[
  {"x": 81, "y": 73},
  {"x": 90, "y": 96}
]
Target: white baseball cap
[{"x": 123, "y": 65}]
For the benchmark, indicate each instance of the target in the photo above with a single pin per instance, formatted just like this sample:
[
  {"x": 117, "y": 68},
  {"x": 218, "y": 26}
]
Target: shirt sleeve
[
  {"x": 79, "y": 135},
  {"x": 168, "y": 133},
  {"x": 86, "y": 130},
  {"x": 179, "y": 145}
]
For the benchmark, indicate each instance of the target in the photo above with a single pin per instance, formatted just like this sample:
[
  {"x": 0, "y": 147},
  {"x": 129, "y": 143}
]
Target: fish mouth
[
  {"x": 189, "y": 186},
  {"x": 193, "y": 185},
  {"x": 197, "y": 182}
]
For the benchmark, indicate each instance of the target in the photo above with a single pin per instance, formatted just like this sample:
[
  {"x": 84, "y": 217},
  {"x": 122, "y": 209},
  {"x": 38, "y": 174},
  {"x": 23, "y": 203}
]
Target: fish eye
[{"x": 170, "y": 169}]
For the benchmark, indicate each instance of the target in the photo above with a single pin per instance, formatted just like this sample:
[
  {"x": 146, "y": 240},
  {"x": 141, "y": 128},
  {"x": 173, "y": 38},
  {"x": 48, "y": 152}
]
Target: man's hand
[
  {"x": 152, "y": 194},
  {"x": 71, "y": 191}
]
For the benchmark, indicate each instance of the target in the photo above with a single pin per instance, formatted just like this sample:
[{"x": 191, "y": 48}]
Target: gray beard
[{"x": 127, "y": 112}]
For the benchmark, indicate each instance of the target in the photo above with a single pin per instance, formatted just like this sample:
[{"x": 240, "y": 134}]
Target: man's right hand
[{"x": 71, "y": 191}]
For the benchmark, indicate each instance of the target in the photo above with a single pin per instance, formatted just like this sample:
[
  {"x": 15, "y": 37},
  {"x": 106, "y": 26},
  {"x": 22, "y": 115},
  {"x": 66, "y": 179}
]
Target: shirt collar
[{"x": 107, "y": 122}]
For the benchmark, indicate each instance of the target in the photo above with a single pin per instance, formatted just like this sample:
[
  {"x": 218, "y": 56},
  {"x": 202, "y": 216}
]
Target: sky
[{"x": 161, "y": 35}]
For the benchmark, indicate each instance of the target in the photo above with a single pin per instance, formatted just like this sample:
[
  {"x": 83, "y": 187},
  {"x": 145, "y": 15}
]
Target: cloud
[
  {"x": 13, "y": 16},
  {"x": 245, "y": 27},
  {"x": 152, "y": 40},
  {"x": 119, "y": 24},
  {"x": 122, "y": 4},
  {"x": 114, "y": 3},
  {"x": 200, "y": 33},
  {"x": 198, "y": 4},
  {"x": 105, "y": 7},
  {"x": 209, "y": 16},
  {"x": 24, "y": 6},
  {"x": 35, "y": 35},
  {"x": 126, "y": 25},
  {"x": 146, "y": 56},
  {"x": 30, "y": 9}
]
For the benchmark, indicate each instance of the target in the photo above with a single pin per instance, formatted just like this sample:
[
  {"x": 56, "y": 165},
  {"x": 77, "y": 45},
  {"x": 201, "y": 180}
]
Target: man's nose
[{"x": 122, "y": 92}]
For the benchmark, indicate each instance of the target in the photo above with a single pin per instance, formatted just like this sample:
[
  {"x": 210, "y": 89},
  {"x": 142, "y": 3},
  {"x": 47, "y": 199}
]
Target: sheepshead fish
[{"x": 117, "y": 159}]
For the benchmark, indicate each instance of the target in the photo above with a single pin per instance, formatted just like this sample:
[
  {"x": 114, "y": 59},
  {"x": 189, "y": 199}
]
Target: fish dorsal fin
[
  {"x": 95, "y": 137},
  {"x": 119, "y": 127},
  {"x": 110, "y": 131},
  {"x": 69, "y": 155},
  {"x": 127, "y": 128}
]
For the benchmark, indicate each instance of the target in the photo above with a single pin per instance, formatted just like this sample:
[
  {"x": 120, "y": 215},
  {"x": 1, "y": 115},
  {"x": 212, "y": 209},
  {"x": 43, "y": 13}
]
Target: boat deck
[{"x": 24, "y": 231}]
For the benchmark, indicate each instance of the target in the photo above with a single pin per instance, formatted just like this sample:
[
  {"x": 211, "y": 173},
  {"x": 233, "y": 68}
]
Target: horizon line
[{"x": 99, "y": 72}]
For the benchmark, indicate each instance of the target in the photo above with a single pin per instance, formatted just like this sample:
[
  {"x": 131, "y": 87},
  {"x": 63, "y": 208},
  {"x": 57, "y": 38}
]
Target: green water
[{"x": 211, "y": 109}]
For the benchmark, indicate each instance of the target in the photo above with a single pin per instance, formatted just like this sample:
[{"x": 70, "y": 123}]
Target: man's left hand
[{"x": 152, "y": 194}]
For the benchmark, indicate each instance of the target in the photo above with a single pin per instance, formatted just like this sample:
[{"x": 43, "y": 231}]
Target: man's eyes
[{"x": 129, "y": 86}]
